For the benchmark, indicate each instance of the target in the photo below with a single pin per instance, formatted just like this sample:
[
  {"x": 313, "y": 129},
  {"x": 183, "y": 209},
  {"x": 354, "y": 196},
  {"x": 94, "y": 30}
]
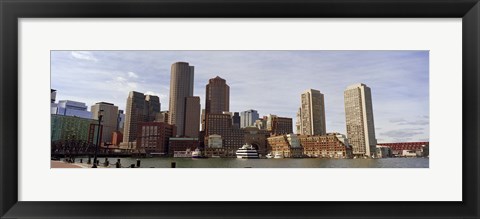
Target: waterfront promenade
[{"x": 61, "y": 164}]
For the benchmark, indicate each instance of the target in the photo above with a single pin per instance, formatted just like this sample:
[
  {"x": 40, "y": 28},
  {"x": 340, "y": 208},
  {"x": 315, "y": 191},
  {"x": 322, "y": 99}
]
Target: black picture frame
[{"x": 12, "y": 10}]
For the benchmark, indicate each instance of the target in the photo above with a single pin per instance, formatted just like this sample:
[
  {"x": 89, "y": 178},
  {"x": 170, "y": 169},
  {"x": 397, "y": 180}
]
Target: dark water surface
[{"x": 273, "y": 163}]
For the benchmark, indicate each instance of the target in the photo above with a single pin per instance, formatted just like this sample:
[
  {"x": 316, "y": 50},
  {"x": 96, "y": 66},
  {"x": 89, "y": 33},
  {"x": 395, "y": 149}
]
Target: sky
[{"x": 268, "y": 81}]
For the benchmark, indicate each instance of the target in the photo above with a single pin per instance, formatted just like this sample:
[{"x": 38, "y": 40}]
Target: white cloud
[
  {"x": 83, "y": 55},
  {"x": 132, "y": 74},
  {"x": 121, "y": 79},
  {"x": 152, "y": 93},
  {"x": 131, "y": 86}
]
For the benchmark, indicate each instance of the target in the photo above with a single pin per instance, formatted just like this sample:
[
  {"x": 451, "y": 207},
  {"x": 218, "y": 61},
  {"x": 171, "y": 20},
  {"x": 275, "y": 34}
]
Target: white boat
[
  {"x": 278, "y": 155},
  {"x": 197, "y": 153},
  {"x": 247, "y": 151},
  {"x": 183, "y": 154},
  {"x": 269, "y": 155}
]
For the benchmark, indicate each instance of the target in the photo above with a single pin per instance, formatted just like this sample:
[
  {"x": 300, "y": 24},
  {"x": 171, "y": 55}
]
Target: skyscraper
[
  {"x": 192, "y": 117},
  {"x": 236, "y": 120},
  {"x": 152, "y": 107},
  {"x": 247, "y": 118},
  {"x": 217, "y": 96},
  {"x": 311, "y": 115},
  {"x": 298, "y": 123},
  {"x": 139, "y": 108},
  {"x": 359, "y": 119},
  {"x": 181, "y": 86},
  {"x": 202, "y": 118},
  {"x": 120, "y": 121},
  {"x": 109, "y": 119}
]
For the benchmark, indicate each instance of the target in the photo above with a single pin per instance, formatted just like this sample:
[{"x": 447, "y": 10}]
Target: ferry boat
[
  {"x": 197, "y": 153},
  {"x": 247, "y": 151}
]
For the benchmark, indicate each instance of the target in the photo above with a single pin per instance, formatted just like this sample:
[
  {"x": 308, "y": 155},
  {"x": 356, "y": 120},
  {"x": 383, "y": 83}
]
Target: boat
[
  {"x": 197, "y": 153},
  {"x": 269, "y": 155},
  {"x": 247, "y": 151},
  {"x": 184, "y": 154},
  {"x": 278, "y": 155}
]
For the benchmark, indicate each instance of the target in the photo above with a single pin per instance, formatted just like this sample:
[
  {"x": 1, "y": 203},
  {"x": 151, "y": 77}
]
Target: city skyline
[{"x": 398, "y": 79}]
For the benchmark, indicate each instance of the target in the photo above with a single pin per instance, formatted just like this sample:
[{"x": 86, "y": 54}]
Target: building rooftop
[
  {"x": 105, "y": 103},
  {"x": 357, "y": 85},
  {"x": 311, "y": 91},
  {"x": 186, "y": 63}
]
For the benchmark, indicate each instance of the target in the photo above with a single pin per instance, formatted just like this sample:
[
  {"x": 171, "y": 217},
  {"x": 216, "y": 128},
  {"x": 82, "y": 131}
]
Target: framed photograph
[{"x": 288, "y": 109}]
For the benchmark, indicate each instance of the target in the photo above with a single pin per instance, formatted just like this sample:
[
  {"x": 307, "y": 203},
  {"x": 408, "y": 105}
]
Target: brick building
[
  {"x": 117, "y": 138},
  {"x": 152, "y": 137},
  {"x": 281, "y": 125},
  {"x": 327, "y": 146},
  {"x": 182, "y": 144},
  {"x": 285, "y": 145}
]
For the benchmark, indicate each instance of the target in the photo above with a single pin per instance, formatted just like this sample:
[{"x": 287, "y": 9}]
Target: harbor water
[{"x": 159, "y": 162}]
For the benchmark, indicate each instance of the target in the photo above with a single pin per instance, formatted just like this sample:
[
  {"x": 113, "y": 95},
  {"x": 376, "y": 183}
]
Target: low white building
[
  {"x": 409, "y": 153},
  {"x": 215, "y": 141},
  {"x": 383, "y": 151}
]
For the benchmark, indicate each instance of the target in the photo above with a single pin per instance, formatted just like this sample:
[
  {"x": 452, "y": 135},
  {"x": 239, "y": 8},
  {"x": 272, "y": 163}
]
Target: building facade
[
  {"x": 256, "y": 137},
  {"x": 71, "y": 108},
  {"x": 153, "y": 137},
  {"x": 181, "y": 87},
  {"x": 218, "y": 124},
  {"x": 117, "y": 138},
  {"x": 420, "y": 148},
  {"x": 248, "y": 118},
  {"x": 215, "y": 141},
  {"x": 285, "y": 145},
  {"x": 279, "y": 125},
  {"x": 324, "y": 146},
  {"x": 261, "y": 123},
  {"x": 236, "y": 120},
  {"x": 217, "y": 96},
  {"x": 311, "y": 115},
  {"x": 109, "y": 118},
  {"x": 383, "y": 152},
  {"x": 162, "y": 117},
  {"x": 192, "y": 117},
  {"x": 359, "y": 120},
  {"x": 221, "y": 124},
  {"x": 152, "y": 107},
  {"x": 120, "y": 121},
  {"x": 139, "y": 108},
  {"x": 70, "y": 128},
  {"x": 182, "y": 144},
  {"x": 53, "y": 95}
]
